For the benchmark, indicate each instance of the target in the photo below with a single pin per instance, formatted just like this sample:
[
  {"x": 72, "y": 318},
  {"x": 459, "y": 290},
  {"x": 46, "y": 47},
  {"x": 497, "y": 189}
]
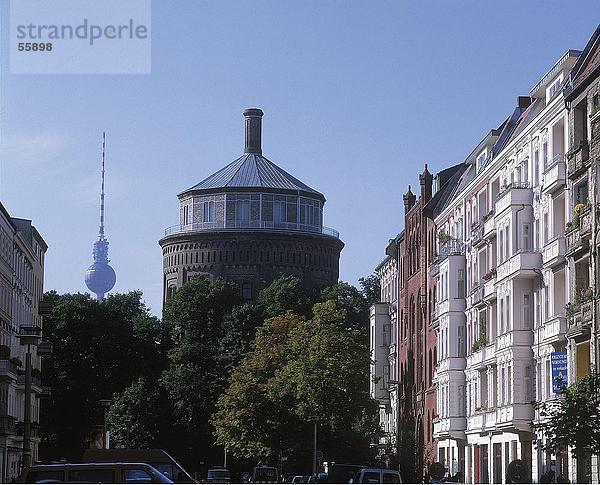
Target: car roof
[
  {"x": 126, "y": 454},
  {"x": 388, "y": 470},
  {"x": 87, "y": 465}
]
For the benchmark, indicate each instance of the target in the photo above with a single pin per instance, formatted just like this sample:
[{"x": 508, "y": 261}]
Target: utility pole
[{"x": 315, "y": 449}]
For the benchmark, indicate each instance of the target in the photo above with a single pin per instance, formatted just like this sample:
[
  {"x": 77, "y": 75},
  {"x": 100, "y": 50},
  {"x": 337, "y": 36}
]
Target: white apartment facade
[
  {"x": 502, "y": 287},
  {"x": 383, "y": 342},
  {"x": 22, "y": 253}
]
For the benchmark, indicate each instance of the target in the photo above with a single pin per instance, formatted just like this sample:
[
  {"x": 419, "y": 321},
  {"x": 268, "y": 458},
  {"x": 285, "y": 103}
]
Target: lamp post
[
  {"x": 105, "y": 403},
  {"x": 28, "y": 335}
]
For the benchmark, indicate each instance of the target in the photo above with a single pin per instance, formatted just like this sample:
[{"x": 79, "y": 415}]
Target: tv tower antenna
[{"x": 100, "y": 278}]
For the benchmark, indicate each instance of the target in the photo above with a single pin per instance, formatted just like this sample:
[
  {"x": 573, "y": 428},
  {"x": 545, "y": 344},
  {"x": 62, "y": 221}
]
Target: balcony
[
  {"x": 476, "y": 296},
  {"x": 449, "y": 305},
  {"x": 524, "y": 264},
  {"x": 577, "y": 243},
  {"x": 515, "y": 193},
  {"x": 489, "y": 290},
  {"x": 477, "y": 235},
  {"x": 451, "y": 247},
  {"x": 579, "y": 318},
  {"x": 235, "y": 226},
  {"x": 450, "y": 364},
  {"x": 489, "y": 224},
  {"x": 8, "y": 369},
  {"x": 514, "y": 338},
  {"x": 482, "y": 421},
  {"x": 434, "y": 269},
  {"x": 578, "y": 160},
  {"x": 553, "y": 330},
  {"x": 449, "y": 428},
  {"x": 7, "y": 425},
  {"x": 515, "y": 416},
  {"x": 555, "y": 174},
  {"x": 554, "y": 252},
  {"x": 482, "y": 357}
]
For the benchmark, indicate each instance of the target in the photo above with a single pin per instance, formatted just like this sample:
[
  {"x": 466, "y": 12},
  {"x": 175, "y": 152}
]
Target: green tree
[
  {"x": 135, "y": 416},
  {"x": 354, "y": 304},
  {"x": 370, "y": 288},
  {"x": 300, "y": 371},
  {"x": 573, "y": 421},
  {"x": 99, "y": 348},
  {"x": 285, "y": 294},
  {"x": 211, "y": 330}
]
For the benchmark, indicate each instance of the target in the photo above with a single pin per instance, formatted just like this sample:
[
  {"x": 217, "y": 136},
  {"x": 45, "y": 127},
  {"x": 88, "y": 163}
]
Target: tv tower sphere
[{"x": 100, "y": 278}]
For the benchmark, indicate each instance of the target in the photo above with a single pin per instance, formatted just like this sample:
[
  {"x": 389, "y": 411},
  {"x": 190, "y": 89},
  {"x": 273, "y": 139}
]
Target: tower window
[
  {"x": 247, "y": 291},
  {"x": 209, "y": 211}
]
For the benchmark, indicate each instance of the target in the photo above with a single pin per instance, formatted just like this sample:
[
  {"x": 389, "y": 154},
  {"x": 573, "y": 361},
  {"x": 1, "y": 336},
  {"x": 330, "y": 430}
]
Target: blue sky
[{"x": 357, "y": 96}]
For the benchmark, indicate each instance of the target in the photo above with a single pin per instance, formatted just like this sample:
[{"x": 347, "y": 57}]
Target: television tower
[{"x": 100, "y": 278}]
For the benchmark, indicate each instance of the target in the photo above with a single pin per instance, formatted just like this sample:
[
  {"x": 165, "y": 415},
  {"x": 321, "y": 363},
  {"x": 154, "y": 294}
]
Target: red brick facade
[{"x": 417, "y": 350}]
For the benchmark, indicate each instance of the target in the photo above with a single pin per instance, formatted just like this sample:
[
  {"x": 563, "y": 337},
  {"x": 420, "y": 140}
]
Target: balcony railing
[
  {"x": 250, "y": 226},
  {"x": 515, "y": 193},
  {"x": 477, "y": 234},
  {"x": 554, "y": 173},
  {"x": 554, "y": 251},
  {"x": 578, "y": 159},
  {"x": 451, "y": 248},
  {"x": 7, "y": 424},
  {"x": 513, "y": 185}
]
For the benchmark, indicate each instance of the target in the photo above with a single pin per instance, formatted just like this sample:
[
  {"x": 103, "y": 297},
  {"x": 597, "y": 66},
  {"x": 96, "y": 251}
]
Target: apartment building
[
  {"x": 22, "y": 251},
  {"x": 502, "y": 287},
  {"x": 403, "y": 339},
  {"x": 582, "y": 95},
  {"x": 383, "y": 340}
]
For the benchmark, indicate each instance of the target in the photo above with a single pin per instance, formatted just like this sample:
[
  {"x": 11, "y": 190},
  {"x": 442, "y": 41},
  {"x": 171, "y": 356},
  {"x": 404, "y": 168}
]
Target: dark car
[
  {"x": 159, "y": 459},
  {"x": 265, "y": 474},
  {"x": 93, "y": 473},
  {"x": 341, "y": 473},
  {"x": 218, "y": 475}
]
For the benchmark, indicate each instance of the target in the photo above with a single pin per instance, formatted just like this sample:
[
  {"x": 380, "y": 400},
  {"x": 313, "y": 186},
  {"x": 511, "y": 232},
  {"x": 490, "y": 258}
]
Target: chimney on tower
[{"x": 253, "y": 130}]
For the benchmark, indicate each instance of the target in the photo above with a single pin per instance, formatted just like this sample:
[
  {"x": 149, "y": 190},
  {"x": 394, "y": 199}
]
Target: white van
[{"x": 377, "y": 475}]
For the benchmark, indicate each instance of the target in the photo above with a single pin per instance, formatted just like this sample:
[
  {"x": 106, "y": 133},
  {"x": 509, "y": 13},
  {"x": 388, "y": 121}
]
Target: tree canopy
[
  {"x": 574, "y": 420},
  {"x": 99, "y": 348},
  {"x": 300, "y": 371}
]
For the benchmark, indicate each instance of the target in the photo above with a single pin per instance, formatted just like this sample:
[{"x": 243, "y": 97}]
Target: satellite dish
[
  {"x": 437, "y": 471},
  {"x": 518, "y": 472}
]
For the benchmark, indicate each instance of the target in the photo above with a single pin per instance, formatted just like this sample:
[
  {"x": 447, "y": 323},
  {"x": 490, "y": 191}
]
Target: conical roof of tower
[{"x": 253, "y": 171}]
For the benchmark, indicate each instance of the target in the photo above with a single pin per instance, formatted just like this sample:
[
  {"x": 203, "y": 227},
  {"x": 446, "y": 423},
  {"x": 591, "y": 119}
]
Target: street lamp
[
  {"x": 315, "y": 420},
  {"x": 105, "y": 403}
]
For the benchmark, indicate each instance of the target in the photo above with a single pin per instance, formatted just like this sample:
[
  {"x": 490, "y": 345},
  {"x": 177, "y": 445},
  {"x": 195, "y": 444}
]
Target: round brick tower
[{"x": 251, "y": 222}]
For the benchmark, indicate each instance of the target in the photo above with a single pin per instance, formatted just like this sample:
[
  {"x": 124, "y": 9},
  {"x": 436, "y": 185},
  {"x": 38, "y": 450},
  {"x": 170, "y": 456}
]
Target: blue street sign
[{"x": 560, "y": 378}]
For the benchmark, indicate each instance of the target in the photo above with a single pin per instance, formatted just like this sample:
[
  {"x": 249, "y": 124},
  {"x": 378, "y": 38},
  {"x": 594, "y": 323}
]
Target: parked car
[
  {"x": 93, "y": 473},
  {"x": 377, "y": 475},
  {"x": 159, "y": 459},
  {"x": 340, "y": 473},
  {"x": 265, "y": 474},
  {"x": 218, "y": 475},
  {"x": 300, "y": 479}
]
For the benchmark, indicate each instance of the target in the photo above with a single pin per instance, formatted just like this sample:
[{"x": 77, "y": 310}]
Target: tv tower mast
[{"x": 100, "y": 278}]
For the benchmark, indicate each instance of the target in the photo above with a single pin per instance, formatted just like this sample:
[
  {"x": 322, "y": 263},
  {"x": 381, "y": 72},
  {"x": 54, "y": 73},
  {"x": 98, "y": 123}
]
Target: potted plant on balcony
[
  {"x": 490, "y": 274},
  {"x": 482, "y": 340},
  {"x": 443, "y": 237}
]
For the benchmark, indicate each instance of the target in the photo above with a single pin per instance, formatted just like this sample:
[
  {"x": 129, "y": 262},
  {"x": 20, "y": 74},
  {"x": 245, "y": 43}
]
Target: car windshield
[
  {"x": 218, "y": 474},
  {"x": 265, "y": 474}
]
